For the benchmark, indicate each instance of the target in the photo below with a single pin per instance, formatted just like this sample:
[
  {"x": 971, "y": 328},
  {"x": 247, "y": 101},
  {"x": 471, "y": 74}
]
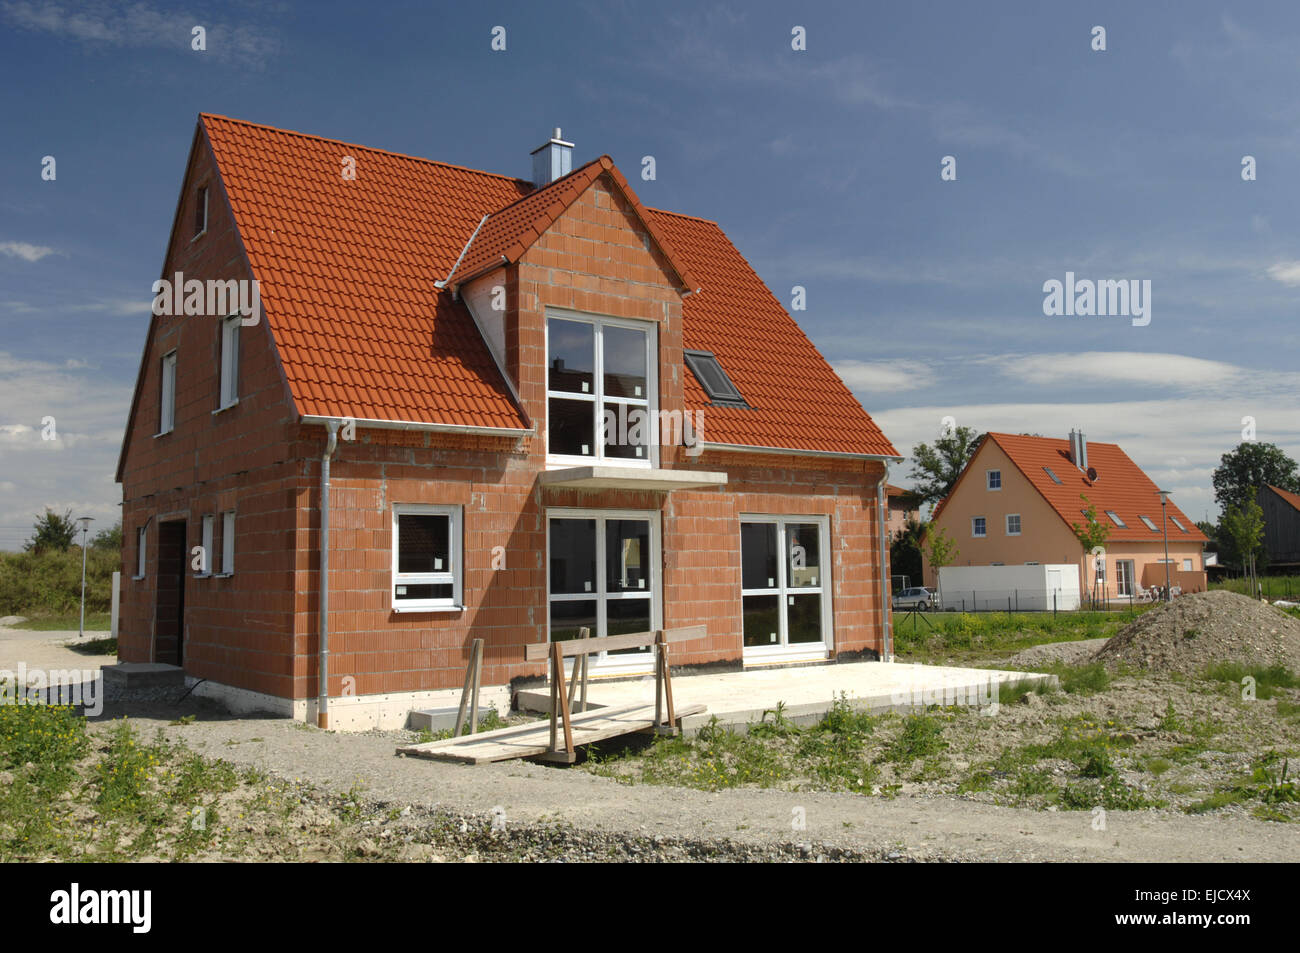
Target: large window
[
  {"x": 602, "y": 572},
  {"x": 229, "y": 362},
  {"x": 600, "y": 390},
  {"x": 427, "y": 570},
  {"x": 784, "y": 584}
]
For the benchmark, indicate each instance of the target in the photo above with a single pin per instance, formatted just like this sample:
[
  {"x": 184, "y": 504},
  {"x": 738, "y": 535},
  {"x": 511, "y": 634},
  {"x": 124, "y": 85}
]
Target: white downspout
[
  {"x": 323, "y": 676},
  {"x": 882, "y": 505}
]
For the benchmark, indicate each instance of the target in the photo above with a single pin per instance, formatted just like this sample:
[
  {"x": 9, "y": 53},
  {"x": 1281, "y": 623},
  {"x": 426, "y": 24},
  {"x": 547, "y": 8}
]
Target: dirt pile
[{"x": 1204, "y": 628}]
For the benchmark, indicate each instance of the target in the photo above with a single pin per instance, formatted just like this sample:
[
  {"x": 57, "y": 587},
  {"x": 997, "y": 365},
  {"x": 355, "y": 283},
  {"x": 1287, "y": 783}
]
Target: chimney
[
  {"x": 552, "y": 160},
  {"x": 1079, "y": 450}
]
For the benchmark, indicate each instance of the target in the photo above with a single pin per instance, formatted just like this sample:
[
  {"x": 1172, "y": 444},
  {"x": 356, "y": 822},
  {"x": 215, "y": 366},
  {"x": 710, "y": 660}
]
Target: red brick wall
[{"x": 238, "y": 630}]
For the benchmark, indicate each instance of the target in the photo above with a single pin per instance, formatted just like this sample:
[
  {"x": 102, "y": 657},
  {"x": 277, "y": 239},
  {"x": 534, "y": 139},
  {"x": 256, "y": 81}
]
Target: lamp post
[
  {"x": 1164, "y": 523},
  {"x": 85, "y": 522}
]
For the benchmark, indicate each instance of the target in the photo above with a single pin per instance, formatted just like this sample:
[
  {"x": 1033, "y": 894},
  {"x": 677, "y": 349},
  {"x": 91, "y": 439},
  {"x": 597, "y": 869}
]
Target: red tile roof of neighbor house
[
  {"x": 1120, "y": 487},
  {"x": 1292, "y": 498},
  {"x": 347, "y": 272}
]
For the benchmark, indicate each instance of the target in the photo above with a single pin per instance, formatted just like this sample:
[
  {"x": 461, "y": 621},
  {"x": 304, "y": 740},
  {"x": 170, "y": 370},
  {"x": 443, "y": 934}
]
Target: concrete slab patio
[{"x": 808, "y": 692}]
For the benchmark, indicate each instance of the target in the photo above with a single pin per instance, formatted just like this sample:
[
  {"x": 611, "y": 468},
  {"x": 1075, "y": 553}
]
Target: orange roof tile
[
  {"x": 348, "y": 269},
  {"x": 1121, "y": 487}
]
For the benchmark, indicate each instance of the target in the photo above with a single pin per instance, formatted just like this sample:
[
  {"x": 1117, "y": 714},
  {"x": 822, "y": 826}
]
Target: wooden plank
[
  {"x": 530, "y": 741},
  {"x": 564, "y": 699},
  {"x": 583, "y": 633},
  {"x": 536, "y": 651},
  {"x": 477, "y": 662}
]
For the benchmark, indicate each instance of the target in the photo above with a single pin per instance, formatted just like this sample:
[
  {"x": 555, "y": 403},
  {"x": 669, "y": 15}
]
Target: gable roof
[
  {"x": 1121, "y": 486},
  {"x": 509, "y": 232},
  {"x": 1287, "y": 495},
  {"x": 350, "y": 273}
]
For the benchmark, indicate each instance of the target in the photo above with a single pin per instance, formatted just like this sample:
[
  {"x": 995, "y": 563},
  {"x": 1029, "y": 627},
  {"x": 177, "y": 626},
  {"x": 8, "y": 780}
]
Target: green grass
[
  {"x": 66, "y": 622},
  {"x": 1268, "y": 679},
  {"x": 967, "y": 635},
  {"x": 1275, "y": 587},
  {"x": 921, "y": 737}
]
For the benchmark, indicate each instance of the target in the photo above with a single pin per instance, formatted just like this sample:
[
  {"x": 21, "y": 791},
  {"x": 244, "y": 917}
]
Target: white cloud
[
  {"x": 884, "y": 376},
  {"x": 118, "y": 24},
  {"x": 1287, "y": 272},
  {"x": 1114, "y": 367},
  {"x": 25, "y": 251}
]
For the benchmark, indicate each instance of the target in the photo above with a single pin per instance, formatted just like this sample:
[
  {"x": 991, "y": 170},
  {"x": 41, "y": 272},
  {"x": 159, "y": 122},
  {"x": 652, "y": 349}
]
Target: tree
[
  {"x": 1245, "y": 527},
  {"x": 110, "y": 538},
  {"x": 1253, "y": 465},
  {"x": 936, "y": 469},
  {"x": 905, "y": 550},
  {"x": 52, "y": 531},
  {"x": 942, "y": 551},
  {"x": 1092, "y": 532}
]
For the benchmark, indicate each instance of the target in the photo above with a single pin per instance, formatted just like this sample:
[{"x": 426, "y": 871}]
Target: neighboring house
[
  {"x": 448, "y": 372},
  {"x": 1281, "y": 526},
  {"x": 902, "y": 507},
  {"x": 1017, "y": 498}
]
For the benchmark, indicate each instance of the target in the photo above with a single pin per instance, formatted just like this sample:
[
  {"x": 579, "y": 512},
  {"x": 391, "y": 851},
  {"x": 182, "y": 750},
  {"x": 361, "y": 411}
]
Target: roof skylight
[{"x": 704, "y": 365}]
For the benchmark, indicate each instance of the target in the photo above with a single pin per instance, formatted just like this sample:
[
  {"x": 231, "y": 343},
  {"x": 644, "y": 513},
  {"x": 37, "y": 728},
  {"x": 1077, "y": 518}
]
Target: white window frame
[
  {"x": 228, "y": 543},
  {"x": 206, "y": 540},
  {"x": 989, "y": 476},
  {"x": 974, "y": 520},
  {"x": 1019, "y": 524},
  {"x": 783, "y": 650},
  {"x": 167, "y": 394},
  {"x": 598, "y": 398},
  {"x": 229, "y": 392},
  {"x": 141, "y": 541},
  {"x": 455, "y": 573},
  {"x": 1126, "y": 583},
  {"x": 1188, "y": 564},
  {"x": 603, "y": 662}
]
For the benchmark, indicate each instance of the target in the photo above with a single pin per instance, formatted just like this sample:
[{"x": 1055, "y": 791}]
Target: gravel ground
[
  {"x": 1201, "y": 629},
  {"x": 566, "y": 814}
]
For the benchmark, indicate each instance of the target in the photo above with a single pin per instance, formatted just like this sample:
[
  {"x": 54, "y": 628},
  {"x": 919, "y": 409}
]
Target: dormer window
[
  {"x": 713, "y": 379},
  {"x": 600, "y": 390},
  {"x": 201, "y": 211}
]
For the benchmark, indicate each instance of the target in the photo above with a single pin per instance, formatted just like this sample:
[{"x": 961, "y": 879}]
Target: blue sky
[{"x": 822, "y": 165}]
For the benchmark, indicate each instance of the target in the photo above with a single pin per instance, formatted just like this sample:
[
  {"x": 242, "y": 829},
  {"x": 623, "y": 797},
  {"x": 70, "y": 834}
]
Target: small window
[
  {"x": 1033, "y": 563},
  {"x": 1187, "y": 565},
  {"x": 140, "y": 538},
  {"x": 1149, "y": 524},
  {"x": 1055, "y": 479},
  {"x": 205, "y": 551},
  {"x": 229, "y": 362},
  {"x": 167, "y": 397},
  {"x": 228, "y": 543},
  {"x": 978, "y": 526},
  {"x": 993, "y": 479},
  {"x": 201, "y": 211},
  {"x": 1174, "y": 520},
  {"x": 1013, "y": 524},
  {"x": 426, "y": 557},
  {"x": 1116, "y": 520},
  {"x": 704, "y": 365},
  {"x": 997, "y": 564}
]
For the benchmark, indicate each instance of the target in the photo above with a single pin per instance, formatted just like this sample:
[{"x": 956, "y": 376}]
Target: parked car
[{"x": 918, "y": 598}]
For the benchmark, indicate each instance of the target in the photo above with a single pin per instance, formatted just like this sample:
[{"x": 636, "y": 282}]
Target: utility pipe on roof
[
  {"x": 323, "y": 667},
  {"x": 882, "y": 508}
]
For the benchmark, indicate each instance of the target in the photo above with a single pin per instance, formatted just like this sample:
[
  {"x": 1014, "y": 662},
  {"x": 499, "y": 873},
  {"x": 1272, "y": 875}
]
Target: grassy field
[
  {"x": 1274, "y": 587},
  {"x": 66, "y": 622},
  {"x": 973, "y": 636}
]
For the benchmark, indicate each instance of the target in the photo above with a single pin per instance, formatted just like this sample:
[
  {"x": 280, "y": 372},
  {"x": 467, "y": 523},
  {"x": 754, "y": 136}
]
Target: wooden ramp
[{"x": 534, "y": 740}]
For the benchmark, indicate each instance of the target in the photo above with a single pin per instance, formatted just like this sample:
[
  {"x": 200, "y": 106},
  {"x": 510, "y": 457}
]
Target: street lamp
[
  {"x": 85, "y": 522},
  {"x": 1164, "y": 522}
]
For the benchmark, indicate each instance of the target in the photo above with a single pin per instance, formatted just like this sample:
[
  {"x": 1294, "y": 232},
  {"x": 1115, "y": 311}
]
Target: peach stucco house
[{"x": 1018, "y": 497}]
